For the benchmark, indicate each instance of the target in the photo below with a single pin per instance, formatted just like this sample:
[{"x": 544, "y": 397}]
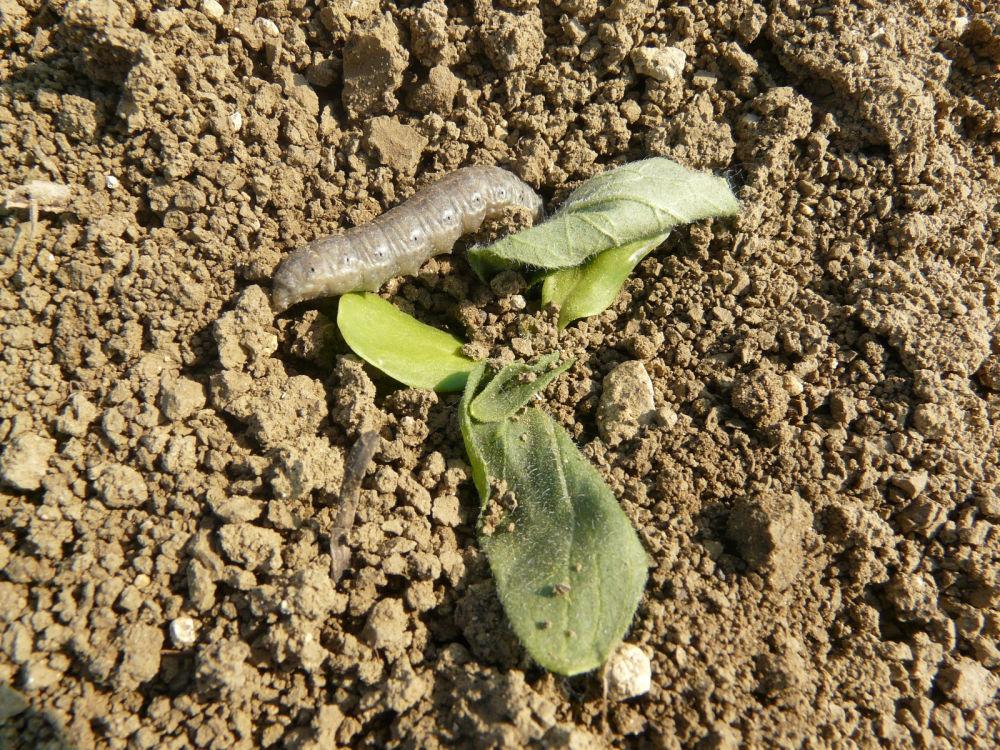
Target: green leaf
[
  {"x": 592, "y": 288},
  {"x": 634, "y": 202},
  {"x": 401, "y": 346},
  {"x": 514, "y": 386},
  {"x": 465, "y": 422},
  {"x": 569, "y": 567}
]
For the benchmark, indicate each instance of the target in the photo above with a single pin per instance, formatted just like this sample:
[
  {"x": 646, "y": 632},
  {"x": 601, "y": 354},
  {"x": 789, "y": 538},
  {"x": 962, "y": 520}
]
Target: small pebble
[
  {"x": 267, "y": 26},
  {"x": 930, "y": 420},
  {"x": 386, "y": 625},
  {"x": 212, "y": 9},
  {"x": 661, "y": 64},
  {"x": 183, "y": 632},
  {"x": 236, "y": 121},
  {"x": 111, "y": 182},
  {"x": 628, "y": 673},
  {"x": 630, "y": 110},
  {"x": 988, "y": 503}
]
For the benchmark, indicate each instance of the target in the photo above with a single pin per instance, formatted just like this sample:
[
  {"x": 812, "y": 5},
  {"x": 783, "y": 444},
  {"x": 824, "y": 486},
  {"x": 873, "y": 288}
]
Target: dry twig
[
  {"x": 36, "y": 195},
  {"x": 354, "y": 472}
]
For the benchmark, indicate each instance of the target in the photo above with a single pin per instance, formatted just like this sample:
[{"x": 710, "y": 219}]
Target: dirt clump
[
  {"x": 812, "y": 466},
  {"x": 968, "y": 684},
  {"x": 512, "y": 41},
  {"x": 24, "y": 462},
  {"x": 626, "y": 402},
  {"x": 770, "y": 534},
  {"x": 398, "y": 146},
  {"x": 760, "y": 396},
  {"x": 374, "y": 62}
]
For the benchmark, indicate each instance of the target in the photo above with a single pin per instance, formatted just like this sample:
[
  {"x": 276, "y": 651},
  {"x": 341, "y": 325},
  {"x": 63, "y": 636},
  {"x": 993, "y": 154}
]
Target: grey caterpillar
[{"x": 399, "y": 241}]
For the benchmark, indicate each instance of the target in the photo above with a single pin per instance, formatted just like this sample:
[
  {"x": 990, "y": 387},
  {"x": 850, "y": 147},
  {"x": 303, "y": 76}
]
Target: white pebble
[
  {"x": 661, "y": 64},
  {"x": 183, "y": 631},
  {"x": 268, "y": 26},
  {"x": 212, "y": 9},
  {"x": 111, "y": 182},
  {"x": 628, "y": 673},
  {"x": 236, "y": 121}
]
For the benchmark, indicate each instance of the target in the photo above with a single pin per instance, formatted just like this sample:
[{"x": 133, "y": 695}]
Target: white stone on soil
[
  {"x": 661, "y": 64},
  {"x": 212, "y": 9},
  {"x": 628, "y": 673},
  {"x": 183, "y": 631}
]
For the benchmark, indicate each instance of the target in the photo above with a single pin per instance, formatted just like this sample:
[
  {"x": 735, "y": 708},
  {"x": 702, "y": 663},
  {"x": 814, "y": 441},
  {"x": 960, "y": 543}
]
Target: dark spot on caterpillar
[{"x": 298, "y": 279}]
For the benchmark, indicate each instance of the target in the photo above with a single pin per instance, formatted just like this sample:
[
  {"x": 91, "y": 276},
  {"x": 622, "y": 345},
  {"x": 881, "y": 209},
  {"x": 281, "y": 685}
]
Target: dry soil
[{"x": 820, "y": 495}]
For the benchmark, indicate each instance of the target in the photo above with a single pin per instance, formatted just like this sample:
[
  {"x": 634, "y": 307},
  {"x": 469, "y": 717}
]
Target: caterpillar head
[
  {"x": 287, "y": 284},
  {"x": 533, "y": 202},
  {"x": 307, "y": 273}
]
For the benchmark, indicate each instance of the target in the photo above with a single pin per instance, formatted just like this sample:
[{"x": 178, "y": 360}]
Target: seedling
[
  {"x": 569, "y": 567},
  {"x": 604, "y": 229}
]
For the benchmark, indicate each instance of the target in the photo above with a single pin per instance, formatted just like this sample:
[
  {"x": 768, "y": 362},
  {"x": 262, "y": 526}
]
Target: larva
[{"x": 400, "y": 240}]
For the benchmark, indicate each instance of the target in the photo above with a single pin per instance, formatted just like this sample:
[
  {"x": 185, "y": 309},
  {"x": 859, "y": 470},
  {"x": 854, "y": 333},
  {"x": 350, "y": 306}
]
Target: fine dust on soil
[{"x": 819, "y": 490}]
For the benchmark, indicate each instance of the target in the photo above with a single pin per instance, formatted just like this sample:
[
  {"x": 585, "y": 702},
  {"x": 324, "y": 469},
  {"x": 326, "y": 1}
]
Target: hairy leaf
[
  {"x": 568, "y": 565},
  {"x": 401, "y": 346},
  {"x": 633, "y": 202},
  {"x": 591, "y": 289},
  {"x": 514, "y": 386}
]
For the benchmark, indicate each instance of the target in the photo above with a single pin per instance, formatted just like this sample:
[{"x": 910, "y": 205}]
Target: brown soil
[{"x": 821, "y": 500}]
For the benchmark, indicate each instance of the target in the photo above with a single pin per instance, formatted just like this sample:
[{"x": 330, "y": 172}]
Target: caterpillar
[{"x": 400, "y": 240}]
